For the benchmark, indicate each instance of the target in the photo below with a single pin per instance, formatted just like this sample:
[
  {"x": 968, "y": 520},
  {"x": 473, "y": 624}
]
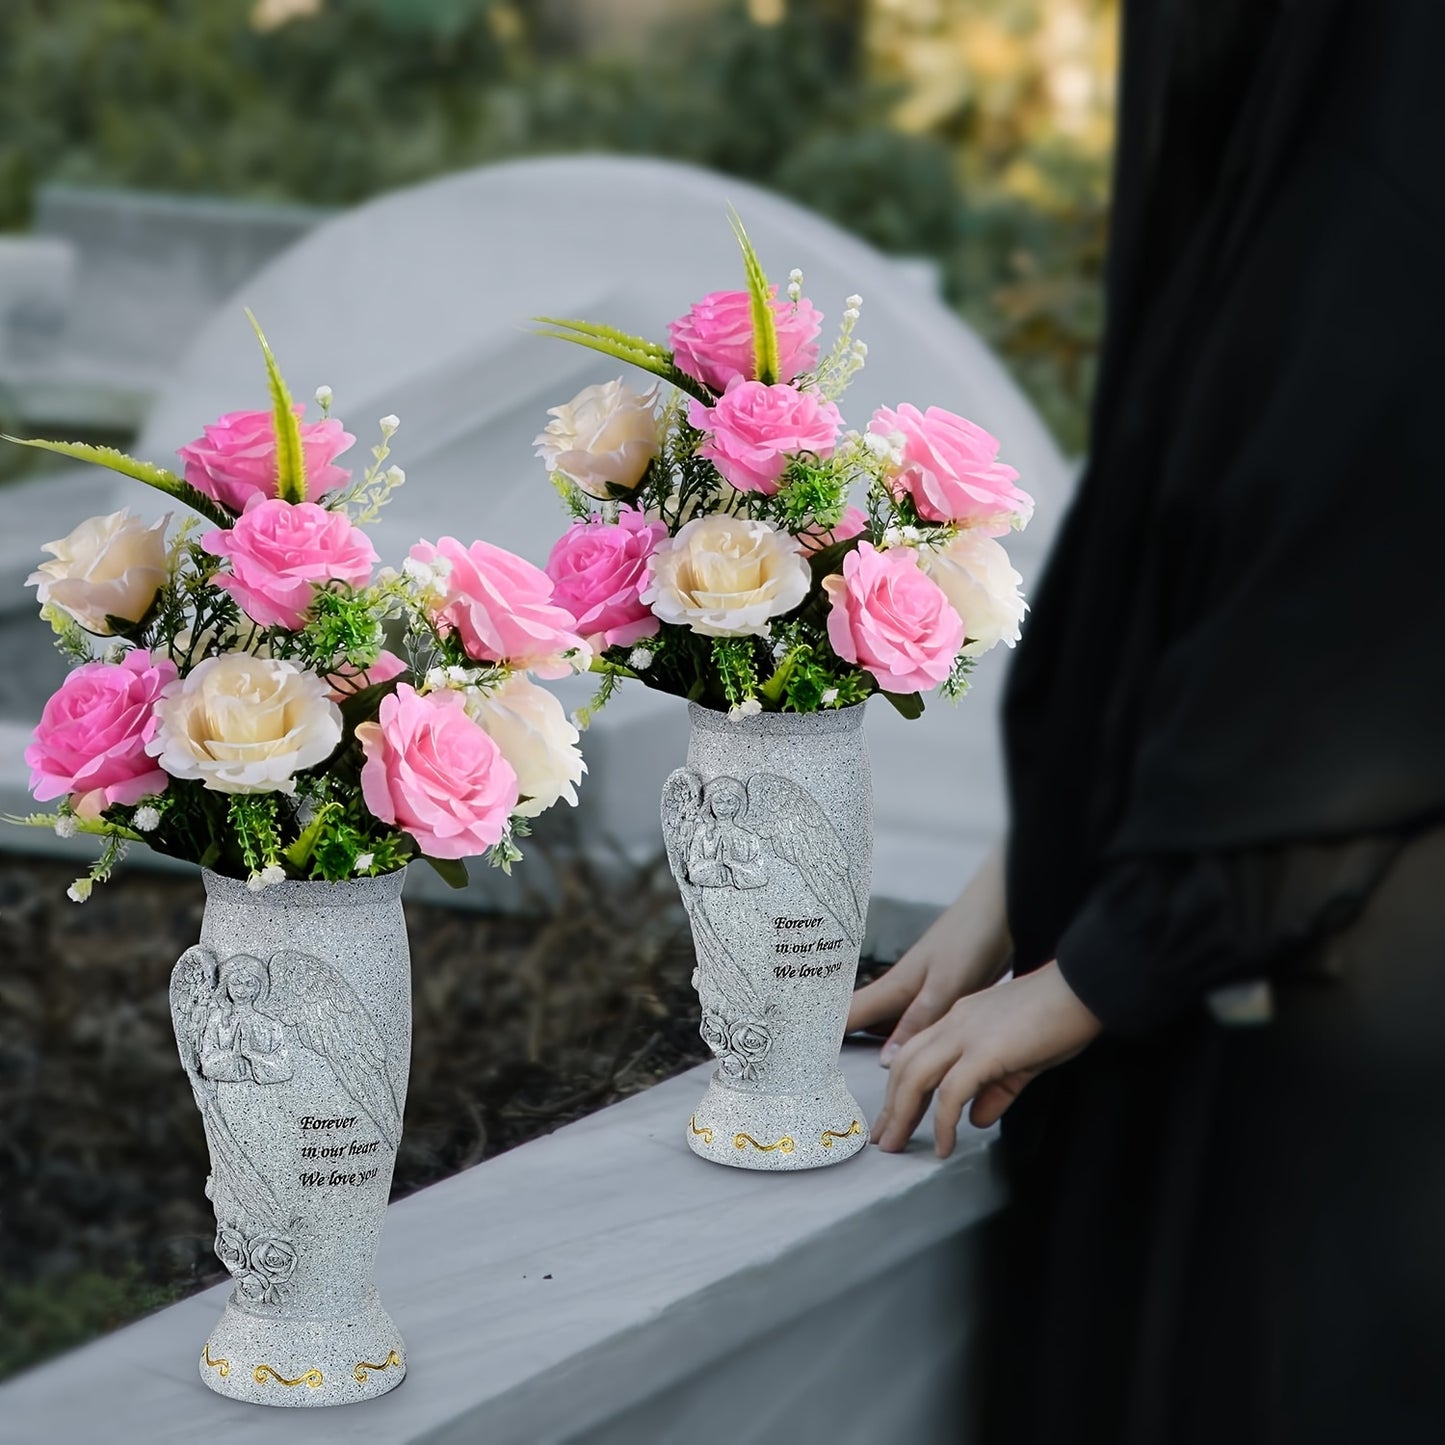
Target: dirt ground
[{"x": 521, "y": 1024}]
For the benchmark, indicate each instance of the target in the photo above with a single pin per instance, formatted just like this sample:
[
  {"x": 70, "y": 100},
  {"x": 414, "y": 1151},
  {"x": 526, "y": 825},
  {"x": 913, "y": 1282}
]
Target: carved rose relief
[
  {"x": 740, "y": 1045},
  {"x": 261, "y": 1262}
]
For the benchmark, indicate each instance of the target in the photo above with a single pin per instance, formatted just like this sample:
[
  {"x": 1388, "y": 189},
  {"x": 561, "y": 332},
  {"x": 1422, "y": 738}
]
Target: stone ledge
[{"x": 603, "y": 1284}]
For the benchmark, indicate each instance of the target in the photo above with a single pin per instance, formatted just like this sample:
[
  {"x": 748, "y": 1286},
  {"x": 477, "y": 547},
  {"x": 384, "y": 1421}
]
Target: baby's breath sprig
[
  {"x": 364, "y": 499},
  {"x": 847, "y": 357}
]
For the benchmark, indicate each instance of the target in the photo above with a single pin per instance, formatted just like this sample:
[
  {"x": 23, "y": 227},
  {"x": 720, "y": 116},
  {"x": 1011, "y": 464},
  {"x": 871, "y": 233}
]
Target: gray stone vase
[
  {"x": 769, "y": 832},
  {"x": 293, "y": 1018}
]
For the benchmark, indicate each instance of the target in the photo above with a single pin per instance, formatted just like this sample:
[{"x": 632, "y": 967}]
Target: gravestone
[{"x": 418, "y": 303}]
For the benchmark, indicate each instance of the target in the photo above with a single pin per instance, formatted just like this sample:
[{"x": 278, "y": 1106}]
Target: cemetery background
[{"x": 973, "y": 136}]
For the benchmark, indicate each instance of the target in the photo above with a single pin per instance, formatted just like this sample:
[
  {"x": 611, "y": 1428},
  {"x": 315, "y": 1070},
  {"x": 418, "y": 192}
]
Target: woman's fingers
[
  {"x": 915, "y": 1074},
  {"x": 928, "y": 1006},
  {"x": 959, "y": 1085},
  {"x": 992, "y": 1101},
  {"x": 886, "y": 998}
]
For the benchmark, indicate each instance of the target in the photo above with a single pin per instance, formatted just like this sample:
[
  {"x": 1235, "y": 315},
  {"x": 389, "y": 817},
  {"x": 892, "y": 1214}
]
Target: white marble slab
[{"x": 603, "y": 1284}]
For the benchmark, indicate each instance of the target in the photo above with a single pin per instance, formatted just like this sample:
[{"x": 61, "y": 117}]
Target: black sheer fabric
[
  {"x": 1235, "y": 643},
  {"x": 1226, "y": 740}
]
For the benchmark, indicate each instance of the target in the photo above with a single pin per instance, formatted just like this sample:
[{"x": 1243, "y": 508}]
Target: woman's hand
[
  {"x": 986, "y": 1048},
  {"x": 965, "y": 950}
]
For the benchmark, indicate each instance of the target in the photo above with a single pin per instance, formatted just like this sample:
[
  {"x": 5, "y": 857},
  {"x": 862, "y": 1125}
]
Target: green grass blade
[
  {"x": 765, "y": 329},
  {"x": 645, "y": 361},
  {"x": 290, "y": 456},
  {"x": 152, "y": 476},
  {"x": 608, "y": 333}
]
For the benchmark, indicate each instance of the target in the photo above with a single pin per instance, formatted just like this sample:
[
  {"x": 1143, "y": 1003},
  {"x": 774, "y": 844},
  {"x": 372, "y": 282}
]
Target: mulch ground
[{"x": 520, "y": 1025}]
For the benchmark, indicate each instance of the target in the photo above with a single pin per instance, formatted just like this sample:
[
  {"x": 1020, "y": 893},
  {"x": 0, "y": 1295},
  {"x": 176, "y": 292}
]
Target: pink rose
[
  {"x": 236, "y": 458},
  {"x": 599, "y": 570},
  {"x": 433, "y": 772},
  {"x": 499, "y": 606},
  {"x": 347, "y": 679},
  {"x": 853, "y": 523},
  {"x": 280, "y": 553},
  {"x": 888, "y": 616},
  {"x": 713, "y": 343},
  {"x": 91, "y": 741},
  {"x": 949, "y": 467},
  {"x": 753, "y": 429}
]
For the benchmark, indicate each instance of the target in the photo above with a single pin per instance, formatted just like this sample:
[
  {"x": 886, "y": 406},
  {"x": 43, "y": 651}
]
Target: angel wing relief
[
  {"x": 762, "y": 872},
  {"x": 245, "y": 1028}
]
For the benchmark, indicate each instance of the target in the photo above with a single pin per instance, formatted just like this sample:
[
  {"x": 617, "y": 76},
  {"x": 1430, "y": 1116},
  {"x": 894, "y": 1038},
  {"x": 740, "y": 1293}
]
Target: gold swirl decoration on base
[
  {"x": 262, "y": 1373},
  {"x": 221, "y": 1367},
  {"x": 703, "y": 1133},
  {"x": 363, "y": 1366},
  {"x": 784, "y": 1145},
  {"x": 830, "y": 1134}
]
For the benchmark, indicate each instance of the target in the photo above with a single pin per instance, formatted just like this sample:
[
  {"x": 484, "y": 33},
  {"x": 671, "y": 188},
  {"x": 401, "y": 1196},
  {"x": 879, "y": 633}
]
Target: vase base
[
  {"x": 276, "y": 1361},
  {"x": 748, "y": 1130}
]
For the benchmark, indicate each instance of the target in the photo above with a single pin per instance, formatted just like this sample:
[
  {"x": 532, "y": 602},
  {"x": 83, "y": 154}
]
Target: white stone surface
[{"x": 602, "y": 1285}]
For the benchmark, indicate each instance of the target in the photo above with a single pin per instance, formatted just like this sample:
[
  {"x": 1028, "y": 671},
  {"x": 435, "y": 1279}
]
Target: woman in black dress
[{"x": 1222, "y": 1050}]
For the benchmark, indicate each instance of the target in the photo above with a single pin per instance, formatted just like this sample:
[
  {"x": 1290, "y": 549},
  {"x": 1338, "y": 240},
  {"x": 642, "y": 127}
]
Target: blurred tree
[{"x": 888, "y": 115}]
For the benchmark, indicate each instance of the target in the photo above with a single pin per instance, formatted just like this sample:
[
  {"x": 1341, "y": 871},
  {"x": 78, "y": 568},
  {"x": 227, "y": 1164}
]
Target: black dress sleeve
[{"x": 1158, "y": 933}]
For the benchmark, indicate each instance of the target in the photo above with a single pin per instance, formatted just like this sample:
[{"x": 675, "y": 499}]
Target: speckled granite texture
[
  {"x": 293, "y": 1019},
  {"x": 769, "y": 832}
]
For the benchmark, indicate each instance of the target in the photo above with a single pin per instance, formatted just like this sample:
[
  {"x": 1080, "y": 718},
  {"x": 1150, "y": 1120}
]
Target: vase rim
[
  {"x": 306, "y": 892},
  {"x": 778, "y": 724}
]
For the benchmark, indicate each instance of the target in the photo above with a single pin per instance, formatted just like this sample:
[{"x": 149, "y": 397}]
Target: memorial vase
[
  {"x": 293, "y": 1019},
  {"x": 769, "y": 832}
]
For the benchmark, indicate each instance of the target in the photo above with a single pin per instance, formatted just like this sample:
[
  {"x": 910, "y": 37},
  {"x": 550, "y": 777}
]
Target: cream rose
[
  {"x": 530, "y": 726},
  {"x": 245, "y": 724},
  {"x": 977, "y": 577},
  {"x": 726, "y": 576},
  {"x": 107, "y": 567},
  {"x": 604, "y": 439}
]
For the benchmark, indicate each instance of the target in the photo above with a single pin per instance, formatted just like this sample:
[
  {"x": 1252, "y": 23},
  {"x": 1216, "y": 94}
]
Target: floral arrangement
[
  {"x": 714, "y": 552},
  {"x": 252, "y": 694}
]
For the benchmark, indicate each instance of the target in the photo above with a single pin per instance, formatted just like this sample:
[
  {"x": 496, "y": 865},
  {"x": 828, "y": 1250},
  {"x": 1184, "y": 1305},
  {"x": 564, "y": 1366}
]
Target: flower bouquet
[
  {"x": 715, "y": 553},
  {"x": 251, "y": 694}
]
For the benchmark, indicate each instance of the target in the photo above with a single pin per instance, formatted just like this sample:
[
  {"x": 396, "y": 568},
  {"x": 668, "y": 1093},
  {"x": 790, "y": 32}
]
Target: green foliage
[
  {"x": 735, "y": 663},
  {"x": 254, "y": 819},
  {"x": 957, "y": 683}
]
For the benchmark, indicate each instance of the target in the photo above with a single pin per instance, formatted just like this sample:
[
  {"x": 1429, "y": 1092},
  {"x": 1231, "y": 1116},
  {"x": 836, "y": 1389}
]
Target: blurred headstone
[
  {"x": 37, "y": 283},
  {"x": 418, "y": 304}
]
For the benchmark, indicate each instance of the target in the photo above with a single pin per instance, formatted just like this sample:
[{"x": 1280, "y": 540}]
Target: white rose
[
  {"x": 244, "y": 724},
  {"x": 107, "y": 567},
  {"x": 603, "y": 439},
  {"x": 726, "y": 576},
  {"x": 530, "y": 726},
  {"x": 976, "y": 576}
]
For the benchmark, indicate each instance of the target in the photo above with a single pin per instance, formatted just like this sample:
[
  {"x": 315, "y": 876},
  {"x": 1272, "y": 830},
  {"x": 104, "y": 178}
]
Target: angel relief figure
[
  {"x": 237, "y": 1041},
  {"x": 721, "y": 852},
  {"x": 240, "y": 1022},
  {"x": 728, "y": 835}
]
